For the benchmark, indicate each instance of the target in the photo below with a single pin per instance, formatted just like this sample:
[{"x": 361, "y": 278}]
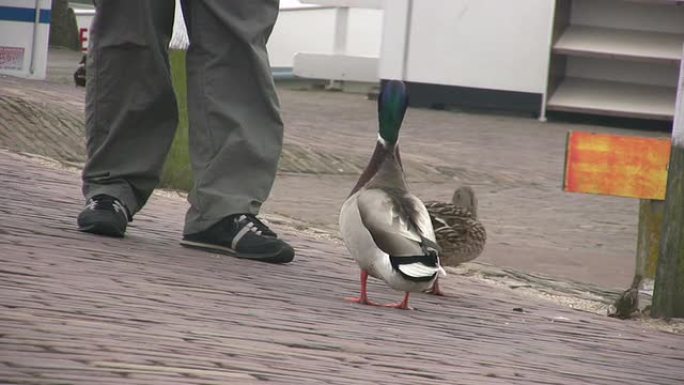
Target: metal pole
[
  {"x": 34, "y": 43},
  {"x": 341, "y": 27},
  {"x": 340, "y": 41},
  {"x": 407, "y": 39}
]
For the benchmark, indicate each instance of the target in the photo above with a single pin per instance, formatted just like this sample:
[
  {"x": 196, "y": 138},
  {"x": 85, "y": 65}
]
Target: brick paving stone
[
  {"x": 81, "y": 309},
  {"x": 78, "y": 309},
  {"x": 515, "y": 165}
]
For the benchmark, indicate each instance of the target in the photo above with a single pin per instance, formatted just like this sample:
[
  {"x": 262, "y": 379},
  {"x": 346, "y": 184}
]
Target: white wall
[
  {"x": 312, "y": 30},
  {"x": 300, "y": 30},
  {"x": 488, "y": 44},
  {"x": 365, "y": 32},
  {"x": 306, "y": 28},
  {"x": 23, "y": 44}
]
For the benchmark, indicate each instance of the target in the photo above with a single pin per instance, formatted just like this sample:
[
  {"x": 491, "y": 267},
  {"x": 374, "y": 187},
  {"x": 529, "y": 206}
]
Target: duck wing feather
[{"x": 400, "y": 226}]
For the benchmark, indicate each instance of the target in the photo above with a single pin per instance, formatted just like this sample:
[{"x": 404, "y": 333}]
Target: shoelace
[
  {"x": 248, "y": 223},
  {"x": 253, "y": 224},
  {"x": 103, "y": 202}
]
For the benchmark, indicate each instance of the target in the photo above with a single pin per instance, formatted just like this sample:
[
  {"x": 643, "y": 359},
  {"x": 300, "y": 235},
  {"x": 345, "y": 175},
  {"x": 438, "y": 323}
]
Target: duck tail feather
[{"x": 418, "y": 267}]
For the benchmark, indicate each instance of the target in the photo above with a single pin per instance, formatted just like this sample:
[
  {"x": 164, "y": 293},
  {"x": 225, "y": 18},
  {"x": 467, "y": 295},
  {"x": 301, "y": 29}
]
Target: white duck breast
[{"x": 359, "y": 240}]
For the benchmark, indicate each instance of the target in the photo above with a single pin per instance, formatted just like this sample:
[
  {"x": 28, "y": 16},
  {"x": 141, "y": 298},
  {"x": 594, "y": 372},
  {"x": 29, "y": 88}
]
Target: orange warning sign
[{"x": 626, "y": 166}]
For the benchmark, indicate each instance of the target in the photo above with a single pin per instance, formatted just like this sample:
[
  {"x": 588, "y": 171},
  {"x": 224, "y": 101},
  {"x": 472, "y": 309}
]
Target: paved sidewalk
[
  {"x": 515, "y": 165},
  {"x": 80, "y": 309}
]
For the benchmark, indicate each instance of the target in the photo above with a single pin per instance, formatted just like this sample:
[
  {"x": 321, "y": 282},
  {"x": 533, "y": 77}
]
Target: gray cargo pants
[{"x": 131, "y": 113}]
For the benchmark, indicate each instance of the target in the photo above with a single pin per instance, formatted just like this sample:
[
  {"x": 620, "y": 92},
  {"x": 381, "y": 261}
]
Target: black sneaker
[
  {"x": 242, "y": 236},
  {"x": 104, "y": 215}
]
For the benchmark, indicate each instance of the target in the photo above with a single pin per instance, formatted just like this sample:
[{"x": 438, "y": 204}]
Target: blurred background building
[{"x": 617, "y": 58}]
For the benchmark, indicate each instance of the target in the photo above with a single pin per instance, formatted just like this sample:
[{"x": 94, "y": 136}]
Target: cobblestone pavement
[
  {"x": 81, "y": 309},
  {"x": 515, "y": 165}
]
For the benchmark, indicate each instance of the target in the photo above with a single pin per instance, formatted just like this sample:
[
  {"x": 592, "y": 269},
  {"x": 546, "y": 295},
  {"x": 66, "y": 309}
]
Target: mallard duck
[
  {"x": 386, "y": 228},
  {"x": 460, "y": 235}
]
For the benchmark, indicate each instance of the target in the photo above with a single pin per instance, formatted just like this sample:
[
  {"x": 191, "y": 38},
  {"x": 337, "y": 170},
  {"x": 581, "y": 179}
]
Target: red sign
[
  {"x": 83, "y": 37},
  {"x": 626, "y": 166},
  {"x": 11, "y": 58}
]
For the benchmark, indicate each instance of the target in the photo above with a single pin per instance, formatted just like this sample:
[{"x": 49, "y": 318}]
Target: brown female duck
[{"x": 460, "y": 235}]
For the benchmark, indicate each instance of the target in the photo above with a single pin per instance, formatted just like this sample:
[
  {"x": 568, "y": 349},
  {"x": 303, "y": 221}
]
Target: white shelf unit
[{"x": 616, "y": 57}]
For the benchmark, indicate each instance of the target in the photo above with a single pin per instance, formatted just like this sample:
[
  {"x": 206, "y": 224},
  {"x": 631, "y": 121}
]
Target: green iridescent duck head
[{"x": 392, "y": 104}]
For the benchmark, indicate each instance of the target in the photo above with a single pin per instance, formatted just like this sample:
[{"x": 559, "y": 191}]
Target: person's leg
[
  {"x": 235, "y": 127},
  {"x": 131, "y": 112},
  {"x": 236, "y": 132}
]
